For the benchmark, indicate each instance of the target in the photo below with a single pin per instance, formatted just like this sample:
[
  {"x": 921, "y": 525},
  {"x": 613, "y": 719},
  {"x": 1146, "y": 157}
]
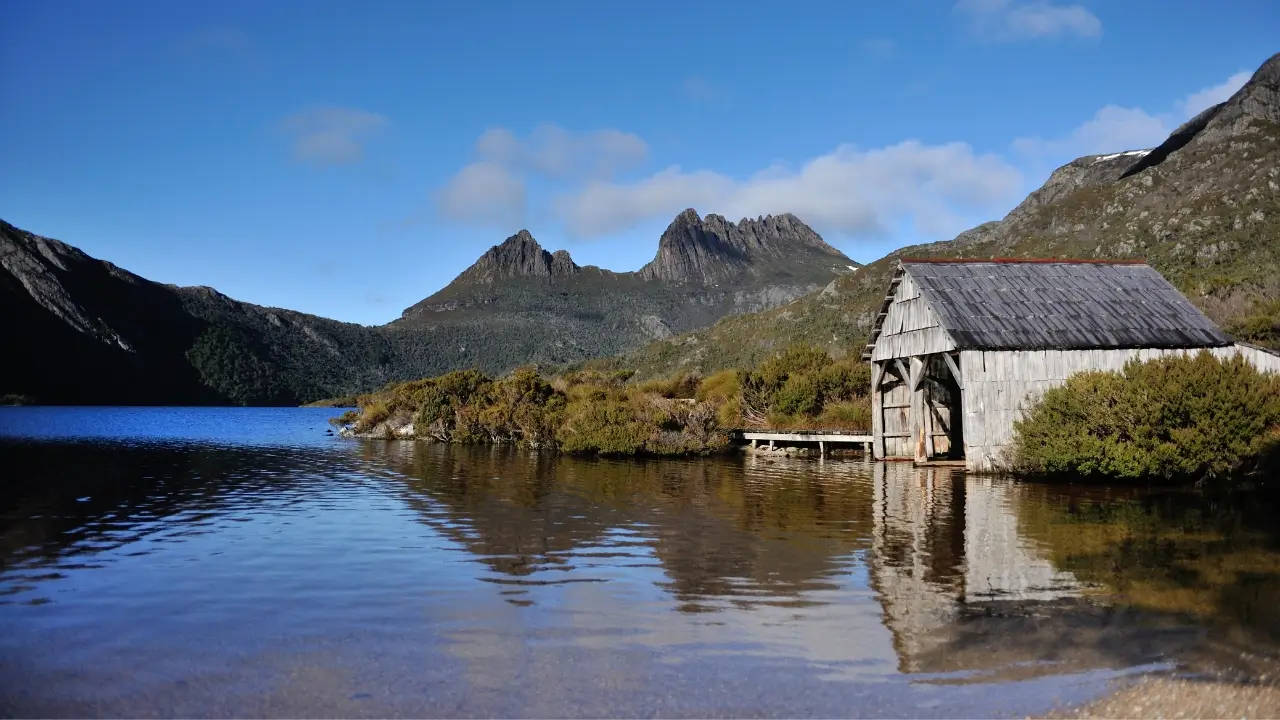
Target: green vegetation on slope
[{"x": 1173, "y": 418}]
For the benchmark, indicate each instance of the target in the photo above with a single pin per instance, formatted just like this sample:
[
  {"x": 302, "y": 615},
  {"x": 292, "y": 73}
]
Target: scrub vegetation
[
  {"x": 1177, "y": 418},
  {"x": 610, "y": 412}
]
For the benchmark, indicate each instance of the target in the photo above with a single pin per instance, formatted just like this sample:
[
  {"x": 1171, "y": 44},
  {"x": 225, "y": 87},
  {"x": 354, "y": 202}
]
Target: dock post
[
  {"x": 866, "y": 450},
  {"x": 822, "y": 449},
  {"x": 771, "y": 444},
  {"x": 753, "y": 443}
]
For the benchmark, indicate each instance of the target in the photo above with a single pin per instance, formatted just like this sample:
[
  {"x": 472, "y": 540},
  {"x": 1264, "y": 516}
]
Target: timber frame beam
[{"x": 955, "y": 369}]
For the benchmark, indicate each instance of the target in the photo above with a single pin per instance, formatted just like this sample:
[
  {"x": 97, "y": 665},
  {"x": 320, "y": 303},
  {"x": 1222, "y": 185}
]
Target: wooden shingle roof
[{"x": 1058, "y": 304}]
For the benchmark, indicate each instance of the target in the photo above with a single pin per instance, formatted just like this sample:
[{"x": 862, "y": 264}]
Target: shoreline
[
  {"x": 406, "y": 434},
  {"x": 1156, "y": 696}
]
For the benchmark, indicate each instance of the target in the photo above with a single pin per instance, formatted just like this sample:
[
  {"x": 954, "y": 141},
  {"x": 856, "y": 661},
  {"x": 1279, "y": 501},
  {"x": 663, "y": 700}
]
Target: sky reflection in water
[{"x": 214, "y": 562}]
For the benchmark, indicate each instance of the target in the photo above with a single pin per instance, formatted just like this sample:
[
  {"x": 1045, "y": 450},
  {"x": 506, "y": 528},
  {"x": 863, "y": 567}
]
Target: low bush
[{"x": 1179, "y": 417}]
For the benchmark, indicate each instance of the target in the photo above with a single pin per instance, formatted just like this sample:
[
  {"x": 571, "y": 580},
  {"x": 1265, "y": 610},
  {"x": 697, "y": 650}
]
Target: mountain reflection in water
[{"x": 370, "y": 578}]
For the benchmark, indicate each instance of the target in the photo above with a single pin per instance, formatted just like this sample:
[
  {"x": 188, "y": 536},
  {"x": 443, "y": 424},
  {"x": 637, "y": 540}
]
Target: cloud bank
[
  {"x": 937, "y": 190},
  {"x": 1013, "y": 20},
  {"x": 492, "y": 189},
  {"x": 324, "y": 136},
  {"x": 851, "y": 191},
  {"x": 1114, "y": 128}
]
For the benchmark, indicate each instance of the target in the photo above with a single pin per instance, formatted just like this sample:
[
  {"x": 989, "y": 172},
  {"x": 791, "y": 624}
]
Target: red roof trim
[{"x": 1031, "y": 261}]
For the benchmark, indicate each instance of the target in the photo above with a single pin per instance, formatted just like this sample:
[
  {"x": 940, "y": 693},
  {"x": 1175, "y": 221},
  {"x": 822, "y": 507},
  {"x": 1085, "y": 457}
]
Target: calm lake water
[{"x": 240, "y": 562}]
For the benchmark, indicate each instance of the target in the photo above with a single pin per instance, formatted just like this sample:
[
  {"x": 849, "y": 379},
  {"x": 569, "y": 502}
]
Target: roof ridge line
[{"x": 1029, "y": 261}]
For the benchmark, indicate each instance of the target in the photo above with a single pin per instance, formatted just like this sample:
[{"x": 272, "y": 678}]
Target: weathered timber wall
[
  {"x": 895, "y": 409},
  {"x": 1264, "y": 360},
  {"x": 998, "y": 385},
  {"x": 911, "y": 327}
]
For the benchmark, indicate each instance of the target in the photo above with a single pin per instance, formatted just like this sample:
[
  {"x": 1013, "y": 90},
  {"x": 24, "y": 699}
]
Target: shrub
[
  {"x": 1262, "y": 326},
  {"x": 849, "y": 415},
  {"x": 792, "y": 389},
  {"x": 608, "y": 427},
  {"x": 799, "y": 395},
  {"x": 722, "y": 386},
  {"x": 1175, "y": 418},
  {"x": 347, "y": 418},
  {"x": 683, "y": 386},
  {"x": 524, "y": 408}
]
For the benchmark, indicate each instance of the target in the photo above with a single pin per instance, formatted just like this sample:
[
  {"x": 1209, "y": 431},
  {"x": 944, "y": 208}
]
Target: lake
[{"x": 216, "y": 562}]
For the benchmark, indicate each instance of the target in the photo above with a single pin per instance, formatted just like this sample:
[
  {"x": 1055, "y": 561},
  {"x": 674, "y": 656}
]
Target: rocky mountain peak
[
  {"x": 1258, "y": 99},
  {"x": 713, "y": 250},
  {"x": 519, "y": 256}
]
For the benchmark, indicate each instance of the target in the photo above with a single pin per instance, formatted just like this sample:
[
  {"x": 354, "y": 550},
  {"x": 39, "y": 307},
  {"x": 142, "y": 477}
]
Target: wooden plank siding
[
  {"x": 1000, "y": 384},
  {"x": 911, "y": 327}
]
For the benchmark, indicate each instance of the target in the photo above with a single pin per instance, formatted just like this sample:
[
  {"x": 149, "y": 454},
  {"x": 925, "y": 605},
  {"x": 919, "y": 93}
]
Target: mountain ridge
[{"x": 120, "y": 338}]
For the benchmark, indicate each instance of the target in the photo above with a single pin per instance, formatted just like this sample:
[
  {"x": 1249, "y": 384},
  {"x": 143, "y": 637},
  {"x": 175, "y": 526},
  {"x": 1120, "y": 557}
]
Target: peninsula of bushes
[
  {"x": 1179, "y": 418},
  {"x": 606, "y": 412}
]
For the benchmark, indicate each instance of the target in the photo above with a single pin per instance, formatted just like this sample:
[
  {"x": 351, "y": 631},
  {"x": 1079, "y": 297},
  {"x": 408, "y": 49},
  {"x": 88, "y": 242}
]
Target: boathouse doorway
[
  {"x": 943, "y": 412},
  {"x": 921, "y": 420}
]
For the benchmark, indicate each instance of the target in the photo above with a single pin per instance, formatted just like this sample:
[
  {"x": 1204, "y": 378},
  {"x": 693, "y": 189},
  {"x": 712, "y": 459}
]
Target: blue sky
[{"x": 349, "y": 159}]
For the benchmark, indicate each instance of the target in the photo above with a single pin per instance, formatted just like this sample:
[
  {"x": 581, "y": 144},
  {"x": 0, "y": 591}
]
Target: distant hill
[
  {"x": 1203, "y": 208},
  {"x": 82, "y": 330}
]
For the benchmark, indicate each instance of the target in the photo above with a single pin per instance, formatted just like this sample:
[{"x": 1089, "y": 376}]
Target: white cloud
[
  {"x": 1111, "y": 129},
  {"x": 492, "y": 190},
  {"x": 850, "y": 191},
  {"x": 1115, "y": 129},
  {"x": 1198, "y": 102},
  {"x": 554, "y": 152},
  {"x": 332, "y": 135},
  {"x": 1010, "y": 20},
  {"x": 483, "y": 193}
]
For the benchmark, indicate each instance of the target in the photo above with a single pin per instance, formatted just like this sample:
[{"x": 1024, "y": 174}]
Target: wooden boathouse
[{"x": 960, "y": 347}]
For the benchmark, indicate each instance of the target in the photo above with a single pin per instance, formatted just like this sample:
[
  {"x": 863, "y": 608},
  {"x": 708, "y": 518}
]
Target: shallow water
[{"x": 240, "y": 562}]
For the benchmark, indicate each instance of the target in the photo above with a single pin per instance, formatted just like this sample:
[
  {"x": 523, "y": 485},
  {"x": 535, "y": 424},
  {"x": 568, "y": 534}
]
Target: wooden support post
[
  {"x": 917, "y": 419},
  {"x": 770, "y": 444},
  {"x": 876, "y": 451},
  {"x": 753, "y": 443},
  {"x": 822, "y": 449},
  {"x": 927, "y": 404}
]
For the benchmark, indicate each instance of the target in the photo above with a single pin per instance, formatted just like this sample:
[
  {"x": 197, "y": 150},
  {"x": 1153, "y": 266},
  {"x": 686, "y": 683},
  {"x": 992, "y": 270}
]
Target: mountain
[
  {"x": 521, "y": 304},
  {"x": 81, "y": 330},
  {"x": 1203, "y": 208},
  {"x": 85, "y": 331},
  {"x": 712, "y": 251}
]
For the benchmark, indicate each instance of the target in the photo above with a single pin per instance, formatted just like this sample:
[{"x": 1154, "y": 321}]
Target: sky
[{"x": 349, "y": 159}]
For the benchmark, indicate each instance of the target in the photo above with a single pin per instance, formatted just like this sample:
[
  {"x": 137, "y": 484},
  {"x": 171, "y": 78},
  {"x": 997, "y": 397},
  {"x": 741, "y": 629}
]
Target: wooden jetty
[{"x": 822, "y": 437}]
